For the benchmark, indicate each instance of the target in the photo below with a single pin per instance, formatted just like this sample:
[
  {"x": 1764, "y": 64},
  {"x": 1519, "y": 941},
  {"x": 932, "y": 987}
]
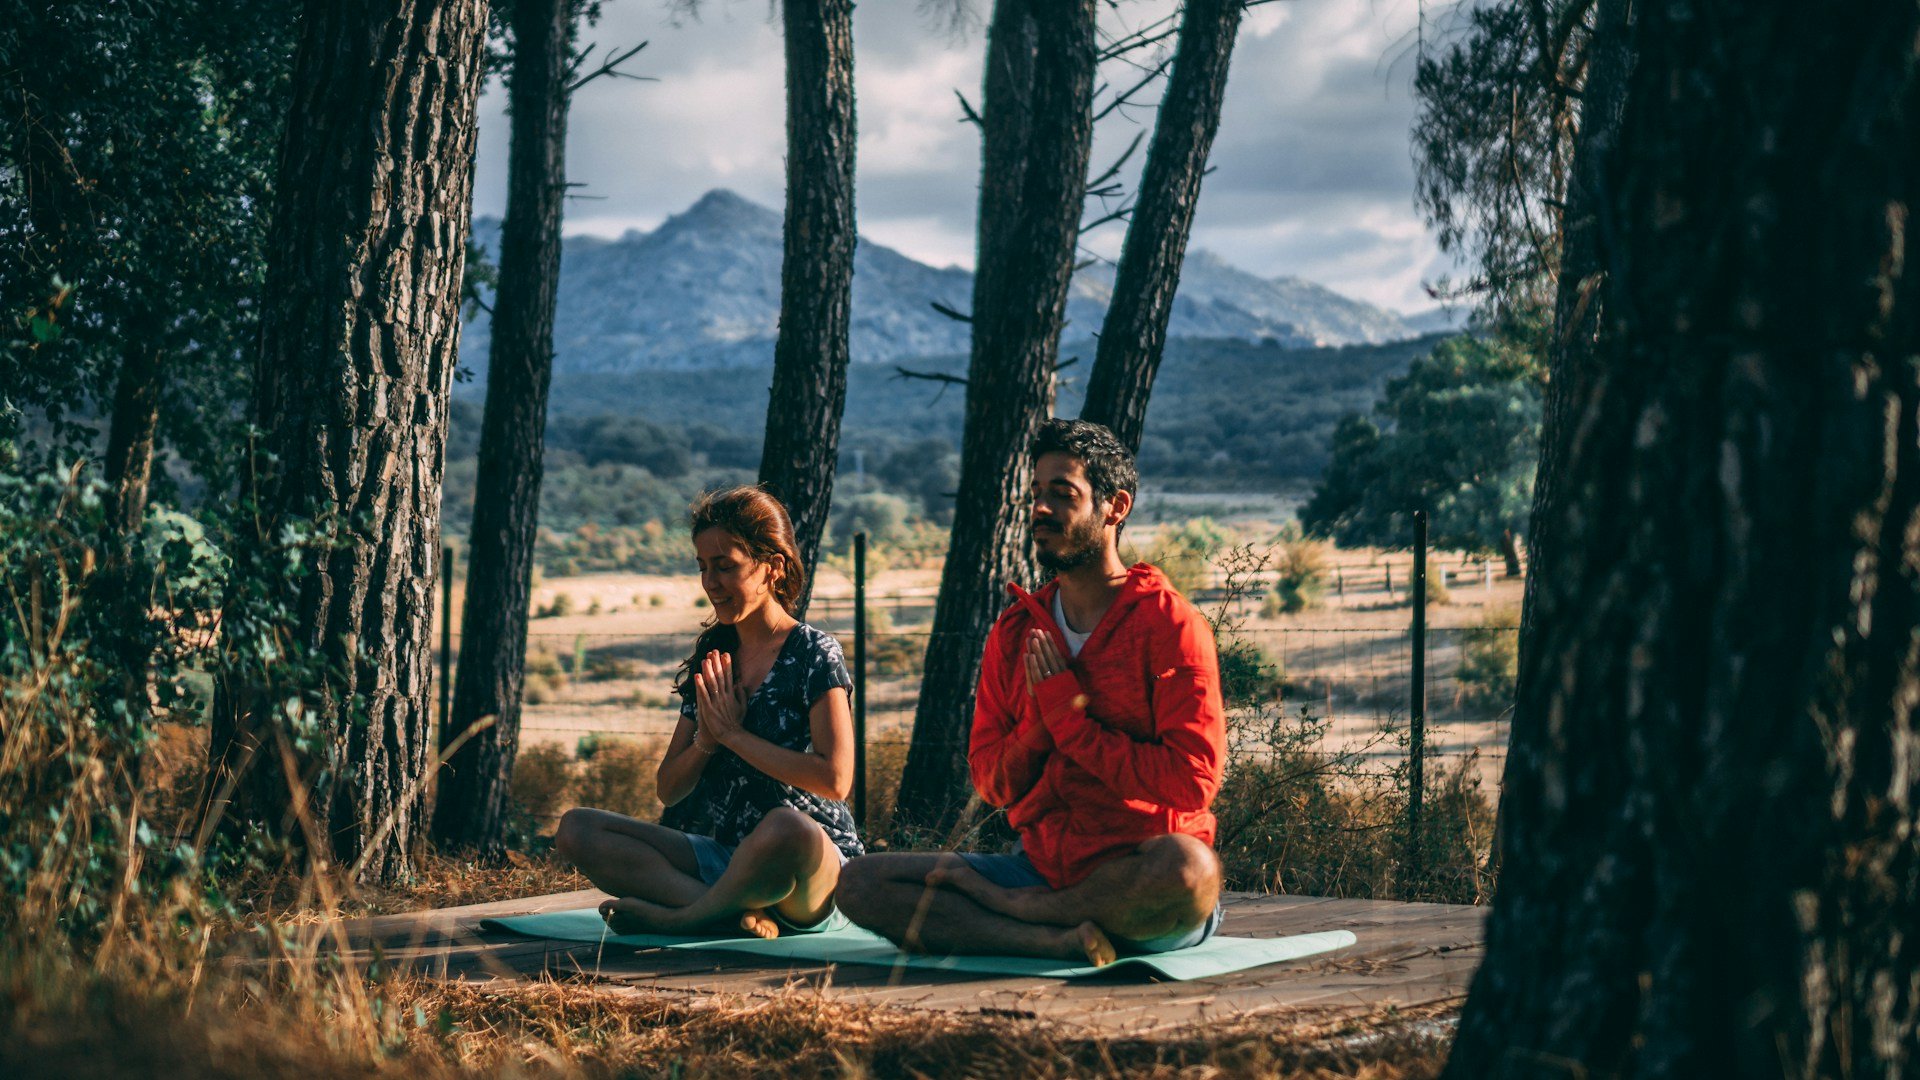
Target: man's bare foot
[
  {"x": 759, "y": 924},
  {"x": 965, "y": 880},
  {"x": 632, "y": 915},
  {"x": 1090, "y": 941}
]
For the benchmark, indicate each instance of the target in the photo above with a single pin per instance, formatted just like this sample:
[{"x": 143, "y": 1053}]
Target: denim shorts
[
  {"x": 1016, "y": 871},
  {"x": 712, "y": 857}
]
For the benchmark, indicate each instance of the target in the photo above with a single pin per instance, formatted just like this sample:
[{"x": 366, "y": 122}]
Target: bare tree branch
[
  {"x": 1127, "y": 98},
  {"x": 1094, "y": 185},
  {"x": 1124, "y": 213},
  {"x": 967, "y": 115},
  {"x": 1151, "y": 34},
  {"x": 929, "y": 376},
  {"x": 952, "y": 313},
  {"x": 945, "y": 381},
  {"x": 609, "y": 67}
]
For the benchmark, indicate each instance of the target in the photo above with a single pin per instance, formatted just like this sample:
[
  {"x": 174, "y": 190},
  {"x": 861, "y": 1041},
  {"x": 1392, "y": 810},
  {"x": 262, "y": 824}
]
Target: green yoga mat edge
[{"x": 1217, "y": 956}]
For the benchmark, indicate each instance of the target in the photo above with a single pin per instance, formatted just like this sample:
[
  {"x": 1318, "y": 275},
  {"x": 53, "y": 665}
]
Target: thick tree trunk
[
  {"x": 471, "y": 808},
  {"x": 816, "y": 277},
  {"x": 1712, "y": 848},
  {"x": 1134, "y": 334},
  {"x": 1037, "y": 134},
  {"x": 356, "y": 364}
]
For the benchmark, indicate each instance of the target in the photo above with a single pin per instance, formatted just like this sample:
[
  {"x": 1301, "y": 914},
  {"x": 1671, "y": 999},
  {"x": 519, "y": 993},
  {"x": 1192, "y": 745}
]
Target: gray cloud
[{"x": 1312, "y": 170}]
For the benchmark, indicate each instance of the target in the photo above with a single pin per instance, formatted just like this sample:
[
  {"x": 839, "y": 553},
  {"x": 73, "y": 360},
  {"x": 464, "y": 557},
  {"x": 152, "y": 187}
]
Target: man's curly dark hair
[{"x": 1108, "y": 462}]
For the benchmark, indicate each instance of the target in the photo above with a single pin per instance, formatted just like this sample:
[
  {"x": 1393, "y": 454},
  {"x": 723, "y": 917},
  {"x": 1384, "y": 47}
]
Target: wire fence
[{"x": 1342, "y": 678}]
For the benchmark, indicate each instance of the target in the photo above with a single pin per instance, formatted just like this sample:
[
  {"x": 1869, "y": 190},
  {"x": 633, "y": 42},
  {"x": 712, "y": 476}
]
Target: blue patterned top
[{"x": 732, "y": 796}]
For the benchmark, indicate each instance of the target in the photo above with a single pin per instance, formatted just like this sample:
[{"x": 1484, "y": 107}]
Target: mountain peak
[
  {"x": 703, "y": 291},
  {"x": 726, "y": 208}
]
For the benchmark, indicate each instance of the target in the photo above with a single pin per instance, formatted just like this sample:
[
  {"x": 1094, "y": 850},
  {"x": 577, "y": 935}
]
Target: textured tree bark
[
  {"x": 472, "y": 799},
  {"x": 1037, "y": 133},
  {"x": 1711, "y": 853},
  {"x": 355, "y": 368},
  {"x": 816, "y": 275},
  {"x": 1134, "y": 335}
]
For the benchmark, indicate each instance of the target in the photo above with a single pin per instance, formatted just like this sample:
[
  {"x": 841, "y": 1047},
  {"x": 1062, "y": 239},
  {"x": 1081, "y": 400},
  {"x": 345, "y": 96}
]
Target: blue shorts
[
  {"x": 712, "y": 857},
  {"x": 1016, "y": 871}
]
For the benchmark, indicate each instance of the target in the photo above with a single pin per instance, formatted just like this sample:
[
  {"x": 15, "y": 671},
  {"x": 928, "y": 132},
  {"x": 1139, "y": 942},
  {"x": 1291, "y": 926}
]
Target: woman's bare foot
[
  {"x": 965, "y": 880},
  {"x": 1090, "y": 941},
  {"x": 759, "y": 924},
  {"x": 632, "y": 915}
]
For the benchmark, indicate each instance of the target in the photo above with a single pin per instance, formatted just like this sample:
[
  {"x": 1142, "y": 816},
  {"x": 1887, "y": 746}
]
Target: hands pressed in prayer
[
  {"x": 1043, "y": 659},
  {"x": 720, "y": 699}
]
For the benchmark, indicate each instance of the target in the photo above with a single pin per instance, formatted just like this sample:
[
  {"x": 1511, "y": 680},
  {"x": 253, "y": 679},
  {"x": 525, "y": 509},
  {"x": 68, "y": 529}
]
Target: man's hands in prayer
[{"x": 1043, "y": 659}]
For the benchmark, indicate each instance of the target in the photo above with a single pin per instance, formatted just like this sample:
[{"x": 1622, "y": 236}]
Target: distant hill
[
  {"x": 1224, "y": 414},
  {"x": 702, "y": 292}
]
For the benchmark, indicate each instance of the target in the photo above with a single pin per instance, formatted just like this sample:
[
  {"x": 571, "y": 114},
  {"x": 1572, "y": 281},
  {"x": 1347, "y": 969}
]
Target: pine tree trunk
[
  {"x": 1712, "y": 848},
  {"x": 816, "y": 276},
  {"x": 1036, "y": 138},
  {"x": 356, "y": 364},
  {"x": 472, "y": 801},
  {"x": 1134, "y": 335}
]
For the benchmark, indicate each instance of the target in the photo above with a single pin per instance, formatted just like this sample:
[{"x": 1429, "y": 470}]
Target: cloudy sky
[{"x": 1313, "y": 170}]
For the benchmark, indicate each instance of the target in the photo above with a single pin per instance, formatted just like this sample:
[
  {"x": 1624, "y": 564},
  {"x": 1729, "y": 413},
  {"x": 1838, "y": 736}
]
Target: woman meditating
[{"x": 757, "y": 773}]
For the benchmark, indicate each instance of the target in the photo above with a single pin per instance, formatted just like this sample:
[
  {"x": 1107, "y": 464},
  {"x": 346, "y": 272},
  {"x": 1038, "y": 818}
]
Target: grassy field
[{"x": 602, "y": 669}]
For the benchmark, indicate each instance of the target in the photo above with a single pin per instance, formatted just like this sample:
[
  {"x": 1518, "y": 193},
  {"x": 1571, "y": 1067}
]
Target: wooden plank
[
  {"x": 432, "y": 923},
  {"x": 1405, "y": 955}
]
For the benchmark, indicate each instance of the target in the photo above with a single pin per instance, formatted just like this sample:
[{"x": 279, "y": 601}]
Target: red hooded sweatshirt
[{"x": 1128, "y": 743}]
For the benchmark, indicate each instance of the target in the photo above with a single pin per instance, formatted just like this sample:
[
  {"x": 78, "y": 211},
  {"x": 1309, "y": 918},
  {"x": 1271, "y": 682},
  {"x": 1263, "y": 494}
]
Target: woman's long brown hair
[{"x": 761, "y": 525}]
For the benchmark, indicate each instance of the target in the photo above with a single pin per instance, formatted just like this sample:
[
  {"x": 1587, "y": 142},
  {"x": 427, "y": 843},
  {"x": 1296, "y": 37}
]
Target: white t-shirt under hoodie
[{"x": 1074, "y": 640}]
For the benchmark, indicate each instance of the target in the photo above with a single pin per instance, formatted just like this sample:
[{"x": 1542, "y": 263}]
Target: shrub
[
  {"x": 545, "y": 676},
  {"x": 601, "y": 666},
  {"x": 1437, "y": 591},
  {"x": 619, "y": 776},
  {"x": 1301, "y": 577},
  {"x": 542, "y": 782},
  {"x": 562, "y": 605},
  {"x": 901, "y": 656},
  {"x": 1490, "y": 659},
  {"x": 1185, "y": 552},
  {"x": 1248, "y": 676},
  {"x": 656, "y": 600}
]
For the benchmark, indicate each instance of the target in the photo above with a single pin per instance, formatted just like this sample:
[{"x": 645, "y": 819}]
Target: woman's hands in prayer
[{"x": 721, "y": 701}]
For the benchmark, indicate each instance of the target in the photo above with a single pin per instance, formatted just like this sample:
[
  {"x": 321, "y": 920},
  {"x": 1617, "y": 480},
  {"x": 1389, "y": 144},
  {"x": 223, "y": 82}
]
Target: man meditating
[{"x": 1098, "y": 725}]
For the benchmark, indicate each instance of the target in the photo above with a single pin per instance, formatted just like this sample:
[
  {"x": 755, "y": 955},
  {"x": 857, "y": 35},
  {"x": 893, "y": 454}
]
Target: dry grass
[{"x": 236, "y": 1026}]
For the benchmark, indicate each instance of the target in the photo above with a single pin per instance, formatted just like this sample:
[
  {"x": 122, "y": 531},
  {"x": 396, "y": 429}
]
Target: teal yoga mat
[{"x": 1217, "y": 956}]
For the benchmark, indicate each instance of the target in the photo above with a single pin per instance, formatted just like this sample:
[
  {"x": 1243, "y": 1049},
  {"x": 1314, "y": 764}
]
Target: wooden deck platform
[{"x": 1407, "y": 956}]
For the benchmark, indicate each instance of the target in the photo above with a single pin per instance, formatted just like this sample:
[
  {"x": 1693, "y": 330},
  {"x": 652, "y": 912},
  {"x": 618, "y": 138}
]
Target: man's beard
[{"x": 1080, "y": 543}]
